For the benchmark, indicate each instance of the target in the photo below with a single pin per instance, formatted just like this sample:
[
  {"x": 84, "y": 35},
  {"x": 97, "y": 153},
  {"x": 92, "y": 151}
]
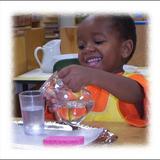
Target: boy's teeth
[
  {"x": 97, "y": 59},
  {"x": 94, "y": 61}
]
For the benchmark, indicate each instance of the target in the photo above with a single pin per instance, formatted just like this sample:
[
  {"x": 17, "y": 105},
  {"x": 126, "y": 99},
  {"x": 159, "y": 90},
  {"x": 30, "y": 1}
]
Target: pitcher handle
[{"x": 36, "y": 55}]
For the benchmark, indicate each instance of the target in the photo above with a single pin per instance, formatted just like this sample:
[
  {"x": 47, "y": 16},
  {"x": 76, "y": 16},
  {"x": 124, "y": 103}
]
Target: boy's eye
[
  {"x": 81, "y": 46},
  {"x": 99, "y": 42}
]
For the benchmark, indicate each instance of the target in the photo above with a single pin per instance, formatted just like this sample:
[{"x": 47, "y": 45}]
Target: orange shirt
[{"x": 127, "y": 110}]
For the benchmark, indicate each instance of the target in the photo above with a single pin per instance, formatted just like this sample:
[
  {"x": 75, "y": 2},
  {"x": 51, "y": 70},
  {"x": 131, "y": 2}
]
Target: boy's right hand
[{"x": 75, "y": 77}]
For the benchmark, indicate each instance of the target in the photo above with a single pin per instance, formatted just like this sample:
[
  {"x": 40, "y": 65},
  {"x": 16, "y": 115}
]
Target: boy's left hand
[{"x": 76, "y": 76}]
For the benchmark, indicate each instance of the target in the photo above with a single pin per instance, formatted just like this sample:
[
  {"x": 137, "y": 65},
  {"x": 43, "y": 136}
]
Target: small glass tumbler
[{"x": 32, "y": 110}]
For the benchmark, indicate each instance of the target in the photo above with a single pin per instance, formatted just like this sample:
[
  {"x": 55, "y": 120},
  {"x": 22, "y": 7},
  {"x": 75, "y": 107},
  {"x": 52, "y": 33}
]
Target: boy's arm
[{"x": 123, "y": 88}]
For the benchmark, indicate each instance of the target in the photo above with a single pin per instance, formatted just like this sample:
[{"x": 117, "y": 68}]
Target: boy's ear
[{"x": 127, "y": 48}]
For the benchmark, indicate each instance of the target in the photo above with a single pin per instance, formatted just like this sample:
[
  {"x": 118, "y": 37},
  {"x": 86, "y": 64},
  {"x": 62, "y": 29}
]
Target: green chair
[{"x": 64, "y": 62}]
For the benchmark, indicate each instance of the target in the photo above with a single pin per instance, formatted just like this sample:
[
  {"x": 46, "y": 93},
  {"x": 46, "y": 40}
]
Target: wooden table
[{"x": 126, "y": 134}]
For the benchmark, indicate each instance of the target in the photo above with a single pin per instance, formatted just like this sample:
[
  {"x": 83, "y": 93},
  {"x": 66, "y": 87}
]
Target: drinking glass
[{"x": 32, "y": 110}]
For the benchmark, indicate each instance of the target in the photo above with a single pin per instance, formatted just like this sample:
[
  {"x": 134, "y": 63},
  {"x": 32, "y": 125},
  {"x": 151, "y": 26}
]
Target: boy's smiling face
[{"x": 100, "y": 46}]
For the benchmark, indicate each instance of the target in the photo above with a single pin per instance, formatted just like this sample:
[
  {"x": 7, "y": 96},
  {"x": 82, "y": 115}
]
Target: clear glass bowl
[{"x": 71, "y": 108}]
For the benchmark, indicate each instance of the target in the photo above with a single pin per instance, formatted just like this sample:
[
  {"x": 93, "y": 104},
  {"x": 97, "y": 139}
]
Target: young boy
[{"x": 106, "y": 43}]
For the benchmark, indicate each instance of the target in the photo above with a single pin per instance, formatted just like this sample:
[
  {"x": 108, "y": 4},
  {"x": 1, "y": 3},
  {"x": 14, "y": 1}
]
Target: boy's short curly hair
[{"x": 125, "y": 26}]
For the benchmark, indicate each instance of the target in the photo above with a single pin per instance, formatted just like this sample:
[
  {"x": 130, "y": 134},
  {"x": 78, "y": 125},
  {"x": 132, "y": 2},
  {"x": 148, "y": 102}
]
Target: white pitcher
[{"x": 49, "y": 51}]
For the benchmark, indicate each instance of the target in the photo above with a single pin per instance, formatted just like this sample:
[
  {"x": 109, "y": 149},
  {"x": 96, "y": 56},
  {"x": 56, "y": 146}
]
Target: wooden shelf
[
  {"x": 50, "y": 24},
  {"x": 52, "y": 37}
]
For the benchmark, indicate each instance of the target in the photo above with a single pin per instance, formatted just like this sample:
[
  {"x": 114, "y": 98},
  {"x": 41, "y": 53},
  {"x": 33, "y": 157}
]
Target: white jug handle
[{"x": 36, "y": 55}]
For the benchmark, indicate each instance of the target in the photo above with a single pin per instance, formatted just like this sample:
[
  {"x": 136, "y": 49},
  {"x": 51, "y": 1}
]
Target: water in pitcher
[{"x": 33, "y": 118}]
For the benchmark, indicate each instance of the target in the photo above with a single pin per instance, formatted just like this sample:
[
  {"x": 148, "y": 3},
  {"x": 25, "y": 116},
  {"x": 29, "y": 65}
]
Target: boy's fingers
[
  {"x": 66, "y": 80},
  {"x": 65, "y": 71}
]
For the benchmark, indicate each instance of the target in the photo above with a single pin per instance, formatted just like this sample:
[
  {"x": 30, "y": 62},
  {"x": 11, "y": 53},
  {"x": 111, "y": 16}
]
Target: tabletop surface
[
  {"x": 126, "y": 134},
  {"x": 33, "y": 75}
]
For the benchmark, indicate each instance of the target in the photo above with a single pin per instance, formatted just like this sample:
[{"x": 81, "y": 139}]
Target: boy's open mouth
[{"x": 93, "y": 60}]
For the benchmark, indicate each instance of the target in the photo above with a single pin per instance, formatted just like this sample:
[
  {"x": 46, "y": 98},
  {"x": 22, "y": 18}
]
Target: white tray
[{"x": 52, "y": 129}]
